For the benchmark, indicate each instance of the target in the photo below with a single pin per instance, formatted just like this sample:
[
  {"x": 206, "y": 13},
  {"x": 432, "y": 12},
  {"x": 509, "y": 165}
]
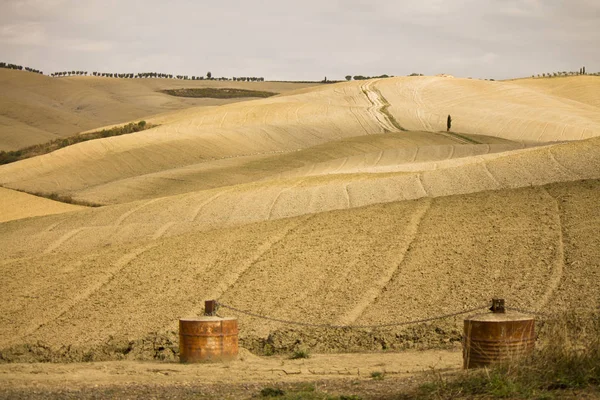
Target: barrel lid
[
  {"x": 500, "y": 317},
  {"x": 207, "y": 318}
]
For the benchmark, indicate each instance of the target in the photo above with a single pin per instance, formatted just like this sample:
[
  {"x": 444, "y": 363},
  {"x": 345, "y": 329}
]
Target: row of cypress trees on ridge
[
  {"x": 581, "y": 71},
  {"x": 19, "y": 68},
  {"x": 161, "y": 75},
  {"x": 130, "y": 75}
]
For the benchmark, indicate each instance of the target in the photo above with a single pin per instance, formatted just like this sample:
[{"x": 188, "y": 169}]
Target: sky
[{"x": 303, "y": 40}]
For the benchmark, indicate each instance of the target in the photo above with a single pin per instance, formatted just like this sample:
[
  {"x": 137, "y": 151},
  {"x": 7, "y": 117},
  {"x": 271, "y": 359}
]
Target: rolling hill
[
  {"x": 338, "y": 204},
  {"x": 36, "y": 108}
]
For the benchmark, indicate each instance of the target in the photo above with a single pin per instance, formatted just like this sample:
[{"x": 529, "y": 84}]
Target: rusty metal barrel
[
  {"x": 497, "y": 336},
  {"x": 207, "y": 339}
]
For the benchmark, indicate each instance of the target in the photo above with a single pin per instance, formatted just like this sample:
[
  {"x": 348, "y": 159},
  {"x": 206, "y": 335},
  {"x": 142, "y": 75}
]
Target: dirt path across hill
[
  {"x": 347, "y": 372},
  {"x": 379, "y": 103}
]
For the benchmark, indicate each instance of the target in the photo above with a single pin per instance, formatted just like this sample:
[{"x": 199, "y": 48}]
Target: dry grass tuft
[
  {"x": 567, "y": 360},
  {"x": 64, "y": 199}
]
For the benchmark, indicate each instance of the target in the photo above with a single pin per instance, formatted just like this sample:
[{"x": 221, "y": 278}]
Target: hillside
[
  {"x": 532, "y": 246},
  {"x": 35, "y": 108},
  {"x": 582, "y": 89},
  {"x": 17, "y": 205},
  {"x": 338, "y": 204},
  {"x": 190, "y": 143}
]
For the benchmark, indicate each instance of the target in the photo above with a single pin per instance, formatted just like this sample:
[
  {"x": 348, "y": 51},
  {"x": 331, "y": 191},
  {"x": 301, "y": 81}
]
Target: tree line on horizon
[
  {"x": 581, "y": 71},
  {"x": 362, "y": 78},
  {"x": 144, "y": 75},
  {"x": 19, "y": 68}
]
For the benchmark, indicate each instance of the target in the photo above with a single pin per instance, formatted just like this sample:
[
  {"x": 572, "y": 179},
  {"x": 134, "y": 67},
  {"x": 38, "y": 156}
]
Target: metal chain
[{"x": 418, "y": 321}]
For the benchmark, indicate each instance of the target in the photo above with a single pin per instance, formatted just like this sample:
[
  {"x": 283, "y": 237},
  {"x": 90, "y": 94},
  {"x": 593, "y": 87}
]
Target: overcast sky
[{"x": 307, "y": 39}]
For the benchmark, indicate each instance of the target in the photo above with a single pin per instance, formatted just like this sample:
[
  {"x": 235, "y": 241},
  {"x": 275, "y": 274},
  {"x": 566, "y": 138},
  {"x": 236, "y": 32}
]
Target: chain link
[{"x": 412, "y": 322}]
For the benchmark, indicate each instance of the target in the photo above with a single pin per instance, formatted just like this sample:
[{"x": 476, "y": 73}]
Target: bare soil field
[
  {"x": 37, "y": 108},
  {"x": 297, "y": 122},
  {"x": 65, "y": 283},
  {"x": 582, "y": 89},
  {"x": 18, "y": 205},
  {"x": 344, "y": 204}
]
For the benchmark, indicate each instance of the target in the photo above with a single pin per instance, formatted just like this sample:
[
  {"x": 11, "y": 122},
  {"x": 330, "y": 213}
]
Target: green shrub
[
  {"x": 300, "y": 353},
  {"x": 271, "y": 392},
  {"x": 378, "y": 375},
  {"x": 218, "y": 93}
]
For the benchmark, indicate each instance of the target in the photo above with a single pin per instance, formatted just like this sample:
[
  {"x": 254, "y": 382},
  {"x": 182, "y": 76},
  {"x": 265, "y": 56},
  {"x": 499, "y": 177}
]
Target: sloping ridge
[
  {"x": 35, "y": 108},
  {"x": 299, "y": 121},
  {"x": 582, "y": 89},
  {"x": 277, "y": 199},
  {"x": 362, "y": 236},
  {"x": 17, "y": 205},
  {"x": 437, "y": 256},
  {"x": 501, "y": 109}
]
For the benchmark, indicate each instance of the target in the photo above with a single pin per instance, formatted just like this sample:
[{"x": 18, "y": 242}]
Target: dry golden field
[
  {"x": 345, "y": 204},
  {"x": 37, "y": 108}
]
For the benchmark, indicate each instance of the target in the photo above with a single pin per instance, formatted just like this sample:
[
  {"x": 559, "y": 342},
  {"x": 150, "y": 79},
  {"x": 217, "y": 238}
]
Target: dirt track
[{"x": 247, "y": 369}]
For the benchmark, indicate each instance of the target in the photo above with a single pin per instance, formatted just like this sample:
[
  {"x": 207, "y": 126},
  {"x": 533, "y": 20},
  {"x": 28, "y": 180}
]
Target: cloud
[
  {"x": 470, "y": 61},
  {"x": 34, "y": 34},
  {"x": 487, "y": 58},
  {"x": 302, "y": 40},
  {"x": 84, "y": 45},
  {"x": 32, "y": 10},
  {"x": 23, "y": 34},
  {"x": 522, "y": 8}
]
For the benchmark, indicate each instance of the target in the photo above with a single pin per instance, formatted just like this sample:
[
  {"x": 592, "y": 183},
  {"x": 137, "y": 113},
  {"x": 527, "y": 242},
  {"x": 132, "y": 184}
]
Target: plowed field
[{"x": 344, "y": 204}]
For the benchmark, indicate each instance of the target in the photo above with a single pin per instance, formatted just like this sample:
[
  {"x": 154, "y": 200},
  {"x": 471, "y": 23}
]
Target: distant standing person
[{"x": 448, "y": 123}]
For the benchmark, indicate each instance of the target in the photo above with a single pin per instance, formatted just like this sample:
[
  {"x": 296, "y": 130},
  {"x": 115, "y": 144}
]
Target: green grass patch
[
  {"x": 301, "y": 392},
  {"x": 272, "y": 392},
  {"x": 299, "y": 354},
  {"x": 218, "y": 93},
  {"x": 378, "y": 375},
  {"x": 7, "y": 157}
]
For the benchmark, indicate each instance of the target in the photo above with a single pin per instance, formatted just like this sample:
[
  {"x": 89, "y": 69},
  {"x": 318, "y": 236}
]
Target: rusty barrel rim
[
  {"x": 497, "y": 337},
  {"x": 207, "y": 318},
  {"x": 208, "y": 338}
]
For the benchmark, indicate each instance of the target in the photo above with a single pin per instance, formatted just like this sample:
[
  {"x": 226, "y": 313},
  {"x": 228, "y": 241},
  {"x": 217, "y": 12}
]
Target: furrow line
[
  {"x": 205, "y": 203},
  {"x": 371, "y": 295},
  {"x": 227, "y": 283},
  {"x": 123, "y": 217},
  {"x": 62, "y": 240},
  {"x": 89, "y": 292},
  {"x": 270, "y": 215},
  {"x": 559, "y": 264}
]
